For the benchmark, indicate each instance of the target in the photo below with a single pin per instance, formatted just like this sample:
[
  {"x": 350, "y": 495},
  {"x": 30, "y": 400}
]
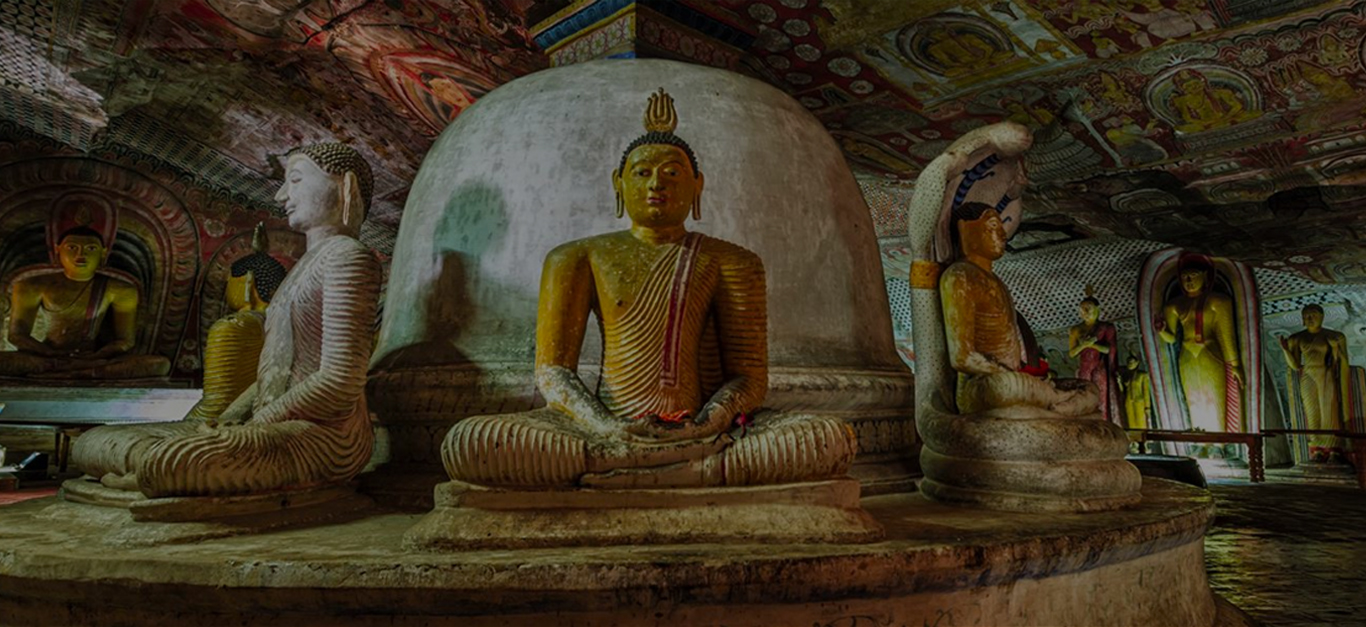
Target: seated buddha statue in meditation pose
[
  {"x": 1202, "y": 321},
  {"x": 985, "y": 346},
  {"x": 684, "y": 361},
  {"x": 76, "y": 303},
  {"x": 231, "y": 357},
  {"x": 303, "y": 423},
  {"x": 233, "y": 349}
]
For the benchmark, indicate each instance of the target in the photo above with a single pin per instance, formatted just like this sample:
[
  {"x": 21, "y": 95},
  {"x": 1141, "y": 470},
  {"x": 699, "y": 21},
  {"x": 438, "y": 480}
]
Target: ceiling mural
[
  {"x": 252, "y": 79},
  {"x": 1203, "y": 123},
  {"x": 1193, "y": 122}
]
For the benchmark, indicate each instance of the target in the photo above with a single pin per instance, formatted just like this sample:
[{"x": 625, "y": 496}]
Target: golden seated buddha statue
[
  {"x": 678, "y": 406},
  {"x": 76, "y": 303},
  {"x": 684, "y": 325}
]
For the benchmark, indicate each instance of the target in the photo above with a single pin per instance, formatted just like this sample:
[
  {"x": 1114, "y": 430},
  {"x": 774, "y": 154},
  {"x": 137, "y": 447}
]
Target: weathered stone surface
[
  {"x": 938, "y": 563},
  {"x": 473, "y": 517},
  {"x": 123, "y": 518}
]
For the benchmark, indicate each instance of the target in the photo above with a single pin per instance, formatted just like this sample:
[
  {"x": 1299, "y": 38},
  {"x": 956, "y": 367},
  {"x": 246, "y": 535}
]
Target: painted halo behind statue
[{"x": 1159, "y": 284}]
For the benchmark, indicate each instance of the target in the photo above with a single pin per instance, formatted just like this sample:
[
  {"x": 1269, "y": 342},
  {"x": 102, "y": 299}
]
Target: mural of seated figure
[
  {"x": 231, "y": 357},
  {"x": 303, "y": 425},
  {"x": 91, "y": 316},
  {"x": 684, "y": 374}
]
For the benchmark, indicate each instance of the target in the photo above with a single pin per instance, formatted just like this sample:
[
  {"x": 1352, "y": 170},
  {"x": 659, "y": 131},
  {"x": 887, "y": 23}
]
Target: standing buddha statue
[
  {"x": 1202, "y": 321},
  {"x": 1093, "y": 344},
  {"x": 684, "y": 358},
  {"x": 1136, "y": 386},
  {"x": 1317, "y": 358}
]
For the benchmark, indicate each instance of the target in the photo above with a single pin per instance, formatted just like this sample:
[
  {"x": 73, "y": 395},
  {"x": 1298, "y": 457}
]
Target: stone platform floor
[{"x": 1290, "y": 555}]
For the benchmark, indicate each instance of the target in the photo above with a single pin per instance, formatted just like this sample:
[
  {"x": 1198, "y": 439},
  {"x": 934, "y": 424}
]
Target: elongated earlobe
[
  {"x": 616, "y": 187},
  {"x": 346, "y": 199}
]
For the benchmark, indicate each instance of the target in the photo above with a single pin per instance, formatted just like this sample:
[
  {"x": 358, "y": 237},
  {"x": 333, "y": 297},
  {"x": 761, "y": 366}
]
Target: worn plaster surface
[{"x": 938, "y": 561}]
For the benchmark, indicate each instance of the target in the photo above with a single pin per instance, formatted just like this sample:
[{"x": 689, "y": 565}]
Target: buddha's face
[
  {"x": 1193, "y": 281},
  {"x": 658, "y": 185},
  {"x": 309, "y": 194},
  {"x": 1132, "y": 364},
  {"x": 1313, "y": 320},
  {"x": 985, "y": 236},
  {"x": 81, "y": 256},
  {"x": 241, "y": 292},
  {"x": 1089, "y": 312}
]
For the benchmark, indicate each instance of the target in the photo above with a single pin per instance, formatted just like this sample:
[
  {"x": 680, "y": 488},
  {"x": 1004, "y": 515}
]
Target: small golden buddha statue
[
  {"x": 233, "y": 350},
  {"x": 1318, "y": 362},
  {"x": 1202, "y": 321},
  {"x": 75, "y": 303},
  {"x": 985, "y": 346},
  {"x": 303, "y": 424},
  {"x": 110, "y": 453},
  {"x": 1136, "y": 385},
  {"x": 684, "y": 362}
]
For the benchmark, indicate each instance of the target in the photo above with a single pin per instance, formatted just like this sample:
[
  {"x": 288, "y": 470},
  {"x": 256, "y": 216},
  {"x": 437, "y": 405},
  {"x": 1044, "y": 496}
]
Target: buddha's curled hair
[
  {"x": 336, "y": 158},
  {"x": 266, "y": 272}
]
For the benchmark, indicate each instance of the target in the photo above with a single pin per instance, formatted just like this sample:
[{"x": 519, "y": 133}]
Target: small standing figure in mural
[
  {"x": 1318, "y": 363},
  {"x": 1202, "y": 320},
  {"x": 73, "y": 301},
  {"x": 1136, "y": 385},
  {"x": 1092, "y": 343}
]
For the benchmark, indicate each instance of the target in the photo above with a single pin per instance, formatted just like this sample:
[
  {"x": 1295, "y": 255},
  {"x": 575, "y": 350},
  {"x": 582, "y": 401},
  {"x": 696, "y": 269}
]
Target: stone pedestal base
[
  {"x": 124, "y": 518},
  {"x": 474, "y": 517},
  {"x": 1027, "y": 460},
  {"x": 939, "y": 565}
]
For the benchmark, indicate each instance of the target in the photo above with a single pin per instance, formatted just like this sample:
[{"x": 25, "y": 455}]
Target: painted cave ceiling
[{"x": 1234, "y": 126}]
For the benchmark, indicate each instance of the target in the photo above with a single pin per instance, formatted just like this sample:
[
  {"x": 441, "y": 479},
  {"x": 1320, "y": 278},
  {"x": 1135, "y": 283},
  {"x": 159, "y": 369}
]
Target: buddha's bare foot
[
  {"x": 120, "y": 482},
  {"x": 606, "y": 456},
  {"x": 689, "y": 474}
]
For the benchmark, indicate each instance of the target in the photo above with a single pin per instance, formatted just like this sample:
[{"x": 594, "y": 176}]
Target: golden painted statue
[
  {"x": 90, "y": 317},
  {"x": 1202, "y": 320},
  {"x": 985, "y": 346},
  {"x": 303, "y": 423},
  {"x": 234, "y": 345},
  {"x": 1317, "y": 358},
  {"x": 684, "y": 361},
  {"x": 1136, "y": 385}
]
